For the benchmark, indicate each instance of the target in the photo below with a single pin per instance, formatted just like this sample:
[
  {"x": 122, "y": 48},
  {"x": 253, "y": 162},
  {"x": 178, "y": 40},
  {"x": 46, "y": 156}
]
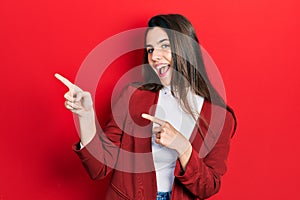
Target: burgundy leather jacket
[{"x": 123, "y": 148}]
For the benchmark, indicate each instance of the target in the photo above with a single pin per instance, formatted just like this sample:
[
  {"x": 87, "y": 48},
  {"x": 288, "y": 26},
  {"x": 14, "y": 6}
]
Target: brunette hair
[{"x": 187, "y": 62}]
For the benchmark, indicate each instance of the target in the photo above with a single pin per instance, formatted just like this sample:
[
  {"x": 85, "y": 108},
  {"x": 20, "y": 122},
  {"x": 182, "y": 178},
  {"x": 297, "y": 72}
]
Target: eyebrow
[{"x": 160, "y": 41}]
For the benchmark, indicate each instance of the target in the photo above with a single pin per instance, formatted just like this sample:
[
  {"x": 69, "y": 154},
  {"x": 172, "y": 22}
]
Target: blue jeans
[{"x": 163, "y": 196}]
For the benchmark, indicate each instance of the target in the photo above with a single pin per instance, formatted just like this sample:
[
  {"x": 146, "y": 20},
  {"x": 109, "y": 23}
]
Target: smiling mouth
[{"x": 162, "y": 71}]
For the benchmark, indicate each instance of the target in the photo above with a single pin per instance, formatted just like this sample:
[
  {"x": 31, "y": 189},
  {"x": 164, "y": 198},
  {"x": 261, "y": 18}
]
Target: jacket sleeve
[
  {"x": 99, "y": 156},
  {"x": 202, "y": 176}
]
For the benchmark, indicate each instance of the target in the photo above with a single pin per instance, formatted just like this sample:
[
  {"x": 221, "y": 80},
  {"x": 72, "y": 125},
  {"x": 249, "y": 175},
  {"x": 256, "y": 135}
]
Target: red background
[{"x": 254, "y": 43}]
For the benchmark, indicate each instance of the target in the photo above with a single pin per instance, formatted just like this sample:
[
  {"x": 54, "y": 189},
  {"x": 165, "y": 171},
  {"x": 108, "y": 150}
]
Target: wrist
[
  {"x": 184, "y": 148},
  {"x": 86, "y": 115},
  {"x": 185, "y": 157},
  {"x": 87, "y": 125}
]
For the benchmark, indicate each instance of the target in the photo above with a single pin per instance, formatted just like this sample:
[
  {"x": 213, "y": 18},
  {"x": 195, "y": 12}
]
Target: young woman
[{"x": 172, "y": 139}]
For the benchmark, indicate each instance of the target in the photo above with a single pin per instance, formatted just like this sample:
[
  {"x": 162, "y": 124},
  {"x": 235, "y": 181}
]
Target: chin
[{"x": 165, "y": 83}]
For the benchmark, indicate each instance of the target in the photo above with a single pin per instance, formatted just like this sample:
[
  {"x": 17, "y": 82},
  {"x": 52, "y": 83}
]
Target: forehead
[{"x": 155, "y": 35}]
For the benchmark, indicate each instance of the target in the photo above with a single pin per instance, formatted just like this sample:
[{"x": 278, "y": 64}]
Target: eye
[
  {"x": 165, "y": 46},
  {"x": 150, "y": 50}
]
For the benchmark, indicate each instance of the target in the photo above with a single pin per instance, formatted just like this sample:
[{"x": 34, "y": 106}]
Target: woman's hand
[
  {"x": 77, "y": 101},
  {"x": 169, "y": 137},
  {"x": 80, "y": 102}
]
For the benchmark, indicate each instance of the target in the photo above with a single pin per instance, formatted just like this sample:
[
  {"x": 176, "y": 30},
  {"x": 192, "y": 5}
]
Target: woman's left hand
[{"x": 168, "y": 136}]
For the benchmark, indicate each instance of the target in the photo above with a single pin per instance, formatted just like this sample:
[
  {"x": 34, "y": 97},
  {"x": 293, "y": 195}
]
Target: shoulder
[{"x": 136, "y": 94}]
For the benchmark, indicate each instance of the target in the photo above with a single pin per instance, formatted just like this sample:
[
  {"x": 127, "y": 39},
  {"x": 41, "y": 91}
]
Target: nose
[{"x": 156, "y": 55}]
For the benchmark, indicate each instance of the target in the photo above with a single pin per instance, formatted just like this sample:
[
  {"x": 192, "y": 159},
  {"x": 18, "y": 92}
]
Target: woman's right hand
[
  {"x": 77, "y": 101},
  {"x": 80, "y": 102}
]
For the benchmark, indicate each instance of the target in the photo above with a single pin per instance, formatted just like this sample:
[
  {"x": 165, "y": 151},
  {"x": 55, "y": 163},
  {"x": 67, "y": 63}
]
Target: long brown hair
[{"x": 187, "y": 62}]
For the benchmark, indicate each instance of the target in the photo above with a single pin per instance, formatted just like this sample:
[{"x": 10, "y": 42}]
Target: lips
[{"x": 162, "y": 69}]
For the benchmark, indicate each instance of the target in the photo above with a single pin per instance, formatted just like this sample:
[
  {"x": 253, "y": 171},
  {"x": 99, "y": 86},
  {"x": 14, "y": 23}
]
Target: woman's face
[{"x": 159, "y": 54}]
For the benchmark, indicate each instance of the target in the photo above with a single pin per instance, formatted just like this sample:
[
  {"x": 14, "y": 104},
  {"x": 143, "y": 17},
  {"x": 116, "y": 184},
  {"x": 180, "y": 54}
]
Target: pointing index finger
[
  {"x": 65, "y": 81},
  {"x": 153, "y": 119}
]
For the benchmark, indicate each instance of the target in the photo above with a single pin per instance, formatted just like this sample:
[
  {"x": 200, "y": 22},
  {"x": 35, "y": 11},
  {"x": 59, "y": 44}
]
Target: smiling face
[{"x": 159, "y": 54}]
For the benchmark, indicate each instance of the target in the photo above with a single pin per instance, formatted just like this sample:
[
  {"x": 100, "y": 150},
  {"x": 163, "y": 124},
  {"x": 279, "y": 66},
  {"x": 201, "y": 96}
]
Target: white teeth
[
  {"x": 161, "y": 70},
  {"x": 161, "y": 66}
]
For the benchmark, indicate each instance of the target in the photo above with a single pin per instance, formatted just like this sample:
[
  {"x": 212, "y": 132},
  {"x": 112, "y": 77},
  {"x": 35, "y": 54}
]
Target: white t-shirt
[{"x": 169, "y": 109}]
